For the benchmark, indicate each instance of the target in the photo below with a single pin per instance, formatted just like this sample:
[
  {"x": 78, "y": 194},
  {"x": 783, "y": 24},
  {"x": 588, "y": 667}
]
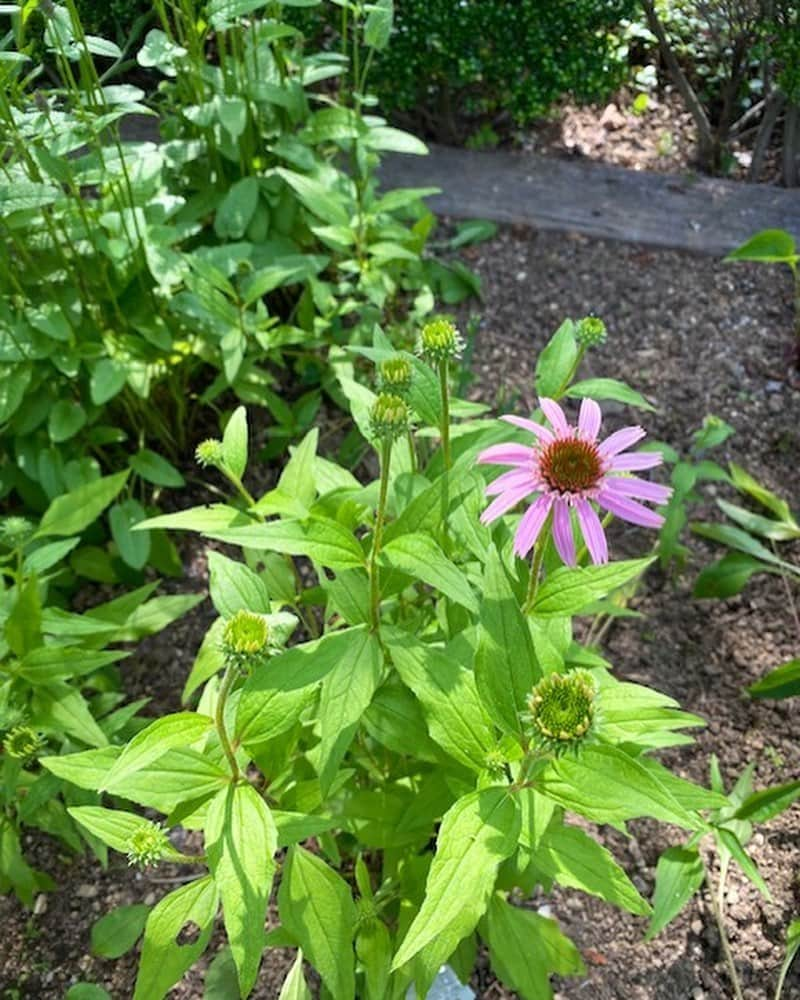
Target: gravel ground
[{"x": 696, "y": 337}]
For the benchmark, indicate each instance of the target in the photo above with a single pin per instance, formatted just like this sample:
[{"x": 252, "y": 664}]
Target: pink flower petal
[
  {"x": 635, "y": 461},
  {"x": 504, "y": 503},
  {"x": 620, "y": 440},
  {"x": 555, "y": 415},
  {"x": 506, "y": 454},
  {"x": 589, "y": 420},
  {"x": 562, "y": 532},
  {"x": 531, "y": 525},
  {"x": 629, "y": 510},
  {"x": 515, "y": 479},
  {"x": 529, "y": 425},
  {"x": 632, "y": 486},
  {"x": 592, "y": 531}
]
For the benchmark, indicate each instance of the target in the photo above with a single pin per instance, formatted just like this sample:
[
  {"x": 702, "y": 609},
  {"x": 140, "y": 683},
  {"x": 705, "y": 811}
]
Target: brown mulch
[
  {"x": 696, "y": 337},
  {"x": 661, "y": 137}
]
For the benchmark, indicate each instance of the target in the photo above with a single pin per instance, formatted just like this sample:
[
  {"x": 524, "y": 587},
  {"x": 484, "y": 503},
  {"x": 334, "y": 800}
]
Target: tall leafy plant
[{"x": 386, "y": 675}]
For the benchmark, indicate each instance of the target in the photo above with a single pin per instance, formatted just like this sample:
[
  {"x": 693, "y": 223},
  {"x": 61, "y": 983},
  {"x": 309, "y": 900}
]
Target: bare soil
[
  {"x": 696, "y": 336},
  {"x": 661, "y": 137}
]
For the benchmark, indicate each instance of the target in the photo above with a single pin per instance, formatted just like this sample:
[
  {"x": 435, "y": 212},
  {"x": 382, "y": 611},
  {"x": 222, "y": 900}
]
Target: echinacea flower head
[
  {"x": 209, "y": 453},
  {"x": 15, "y": 530},
  {"x": 562, "y": 709},
  {"x": 590, "y": 331},
  {"x": 395, "y": 376},
  {"x": 568, "y": 468},
  {"x": 147, "y": 845},
  {"x": 440, "y": 341},
  {"x": 23, "y": 743},
  {"x": 389, "y": 416}
]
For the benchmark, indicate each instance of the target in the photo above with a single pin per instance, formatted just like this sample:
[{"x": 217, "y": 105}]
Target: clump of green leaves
[
  {"x": 60, "y": 686},
  {"x": 402, "y": 714}
]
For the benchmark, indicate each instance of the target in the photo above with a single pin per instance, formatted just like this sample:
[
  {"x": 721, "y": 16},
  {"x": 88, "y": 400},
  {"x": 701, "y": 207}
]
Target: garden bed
[{"x": 697, "y": 337}]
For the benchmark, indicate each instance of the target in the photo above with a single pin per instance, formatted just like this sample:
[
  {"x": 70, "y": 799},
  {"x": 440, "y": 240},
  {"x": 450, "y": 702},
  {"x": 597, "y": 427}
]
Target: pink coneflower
[{"x": 569, "y": 468}]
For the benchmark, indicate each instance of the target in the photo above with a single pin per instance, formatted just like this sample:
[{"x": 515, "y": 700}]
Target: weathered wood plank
[{"x": 703, "y": 214}]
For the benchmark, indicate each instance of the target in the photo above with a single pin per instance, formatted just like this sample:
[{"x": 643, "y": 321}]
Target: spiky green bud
[
  {"x": 246, "y": 639},
  {"x": 590, "y": 331},
  {"x": 147, "y": 845},
  {"x": 210, "y": 453},
  {"x": 562, "y": 710},
  {"x": 440, "y": 341},
  {"x": 395, "y": 376},
  {"x": 23, "y": 743},
  {"x": 389, "y": 416},
  {"x": 15, "y": 531}
]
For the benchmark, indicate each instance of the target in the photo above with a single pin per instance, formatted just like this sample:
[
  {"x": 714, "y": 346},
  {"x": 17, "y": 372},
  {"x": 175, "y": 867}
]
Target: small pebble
[
  {"x": 86, "y": 891},
  {"x": 697, "y": 927},
  {"x": 40, "y": 906}
]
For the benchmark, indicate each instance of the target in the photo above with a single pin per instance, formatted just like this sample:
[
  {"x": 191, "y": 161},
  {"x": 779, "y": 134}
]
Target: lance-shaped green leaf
[
  {"x": 679, "y": 874},
  {"x": 235, "y": 587},
  {"x": 526, "y": 949},
  {"x": 576, "y": 861},
  {"x": 420, "y": 557},
  {"x": 51, "y": 663},
  {"x": 456, "y": 718},
  {"x": 241, "y": 840},
  {"x": 478, "y": 832},
  {"x": 782, "y": 682},
  {"x": 178, "y": 730},
  {"x": 606, "y": 785},
  {"x": 568, "y": 591},
  {"x": 321, "y": 539},
  {"x": 62, "y": 707},
  {"x": 115, "y": 827},
  {"x": 234, "y": 440},
  {"x": 277, "y": 693},
  {"x": 505, "y": 663},
  {"x": 609, "y": 388},
  {"x": 346, "y": 694},
  {"x": 556, "y": 361},
  {"x": 71, "y": 513},
  {"x": 317, "y": 909},
  {"x": 210, "y": 519},
  {"x": 295, "y": 986},
  {"x": 118, "y": 931},
  {"x": 165, "y": 957},
  {"x": 762, "y": 806},
  {"x": 728, "y": 840}
]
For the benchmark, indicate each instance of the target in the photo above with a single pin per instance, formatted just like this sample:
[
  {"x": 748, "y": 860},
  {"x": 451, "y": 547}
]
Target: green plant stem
[
  {"x": 718, "y": 909},
  {"x": 572, "y": 372},
  {"x": 536, "y": 570},
  {"x": 380, "y": 514},
  {"x": 444, "y": 387},
  {"x": 219, "y": 720}
]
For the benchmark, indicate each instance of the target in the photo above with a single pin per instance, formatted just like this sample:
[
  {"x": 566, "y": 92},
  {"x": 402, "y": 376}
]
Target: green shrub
[{"x": 451, "y": 60}]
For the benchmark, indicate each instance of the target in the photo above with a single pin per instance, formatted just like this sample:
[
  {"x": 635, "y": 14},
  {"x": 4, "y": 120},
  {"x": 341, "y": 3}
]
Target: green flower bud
[
  {"x": 590, "y": 331},
  {"x": 15, "y": 531},
  {"x": 440, "y": 341},
  {"x": 209, "y": 452},
  {"x": 395, "y": 376},
  {"x": 562, "y": 710},
  {"x": 246, "y": 639},
  {"x": 23, "y": 743},
  {"x": 495, "y": 761},
  {"x": 389, "y": 417},
  {"x": 147, "y": 845}
]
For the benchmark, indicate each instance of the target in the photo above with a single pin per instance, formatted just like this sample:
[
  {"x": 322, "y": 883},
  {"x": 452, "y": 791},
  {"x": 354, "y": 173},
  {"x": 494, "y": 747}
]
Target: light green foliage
[{"x": 379, "y": 680}]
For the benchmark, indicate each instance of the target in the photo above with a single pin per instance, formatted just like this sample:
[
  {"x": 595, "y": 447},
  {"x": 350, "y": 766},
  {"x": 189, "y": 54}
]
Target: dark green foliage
[{"x": 450, "y": 60}]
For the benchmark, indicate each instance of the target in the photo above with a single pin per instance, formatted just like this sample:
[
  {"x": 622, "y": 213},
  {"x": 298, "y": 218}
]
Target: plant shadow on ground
[{"x": 697, "y": 337}]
